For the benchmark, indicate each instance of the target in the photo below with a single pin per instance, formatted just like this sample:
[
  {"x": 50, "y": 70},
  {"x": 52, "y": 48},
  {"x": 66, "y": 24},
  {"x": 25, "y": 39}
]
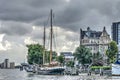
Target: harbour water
[{"x": 16, "y": 74}]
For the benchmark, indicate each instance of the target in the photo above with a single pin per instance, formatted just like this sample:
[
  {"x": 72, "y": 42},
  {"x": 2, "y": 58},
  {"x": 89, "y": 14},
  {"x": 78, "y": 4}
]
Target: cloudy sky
[{"x": 21, "y": 23}]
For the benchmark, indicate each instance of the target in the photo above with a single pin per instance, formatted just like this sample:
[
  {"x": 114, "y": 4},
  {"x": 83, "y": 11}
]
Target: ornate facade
[{"x": 96, "y": 41}]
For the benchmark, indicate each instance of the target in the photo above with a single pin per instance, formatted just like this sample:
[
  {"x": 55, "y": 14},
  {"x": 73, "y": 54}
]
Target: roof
[
  {"x": 66, "y": 53},
  {"x": 70, "y": 57},
  {"x": 91, "y": 34}
]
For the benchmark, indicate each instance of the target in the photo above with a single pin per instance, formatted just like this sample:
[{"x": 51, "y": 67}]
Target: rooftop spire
[
  {"x": 88, "y": 28},
  {"x": 104, "y": 29}
]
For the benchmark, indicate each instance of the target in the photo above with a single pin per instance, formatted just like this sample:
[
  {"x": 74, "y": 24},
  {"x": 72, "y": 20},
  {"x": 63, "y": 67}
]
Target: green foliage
[
  {"x": 112, "y": 51},
  {"x": 54, "y": 56},
  {"x": 70, "y": 64},
  {"x": 102, "y": 67},
  {"x": 47, "y": 56},
  {"x": 83, "y": 55},
  {"x": 60, "y": 59},
  {"x": 35, "y": 53},
  {"x": 97, "y": 59}
]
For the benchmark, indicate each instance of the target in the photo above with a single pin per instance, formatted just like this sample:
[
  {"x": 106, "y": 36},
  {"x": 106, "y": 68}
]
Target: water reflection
[
  {"x": 30, "y": 75},
  {"x": 22, "y": 75}
]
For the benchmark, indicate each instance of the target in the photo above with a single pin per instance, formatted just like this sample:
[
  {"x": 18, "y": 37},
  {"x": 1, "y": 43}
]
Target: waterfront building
[
  {"x": 96, "y": 41},
  {"x": 12, "y": 65},
  {"x": 6, "y": 63},
  {"x": 2, "y": 65}
]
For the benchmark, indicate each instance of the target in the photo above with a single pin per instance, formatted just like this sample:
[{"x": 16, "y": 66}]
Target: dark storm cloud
[
  {"x": 15, "y": 28},
  {"x": 19, "y": 16},
  {"x": 26, "y": 10},
  {"x": 75, "y": 11},
  {"x": 37, "y": 34},
  {"x": 70, "y": 15},
  {"x": 93, "y": 13}
]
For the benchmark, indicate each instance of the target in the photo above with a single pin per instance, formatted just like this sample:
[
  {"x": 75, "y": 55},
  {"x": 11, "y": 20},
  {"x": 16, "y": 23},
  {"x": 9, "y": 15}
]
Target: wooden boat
[{"x": 51, "y": 70}]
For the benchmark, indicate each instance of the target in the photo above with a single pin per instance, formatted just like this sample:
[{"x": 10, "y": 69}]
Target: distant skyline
[{"x": 21, "y": 23}]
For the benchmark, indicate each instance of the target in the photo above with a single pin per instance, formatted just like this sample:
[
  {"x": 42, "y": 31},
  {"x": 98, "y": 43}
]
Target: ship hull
[{"x": 53, "y": 71}]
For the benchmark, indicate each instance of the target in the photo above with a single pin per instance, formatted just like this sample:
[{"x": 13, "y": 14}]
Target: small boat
[{"x": 28, "y": 69}]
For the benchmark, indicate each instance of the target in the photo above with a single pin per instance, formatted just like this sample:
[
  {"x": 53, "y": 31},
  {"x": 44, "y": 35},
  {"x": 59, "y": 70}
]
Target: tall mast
[
  {"x": 51, "y": 35},
  {"x": 44, "y": 44},
  {"x": 80, "y": 37}
]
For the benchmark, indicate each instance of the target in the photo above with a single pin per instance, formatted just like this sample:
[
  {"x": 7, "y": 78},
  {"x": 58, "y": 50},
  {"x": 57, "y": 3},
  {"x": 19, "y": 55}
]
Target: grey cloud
[
  {"x": 93, "y": 13},
  {"x": 73, "y": 12},
  {"x": 37, "y": 34},
  {"x": 15, "y": 28},
  {"x": 16, "y": 39},
  {"x": 17, "y": 53},
  {"x": 18, "y": 17},
  {"x": 69, "y": 15},
  {"x": 27, "y": 10}
]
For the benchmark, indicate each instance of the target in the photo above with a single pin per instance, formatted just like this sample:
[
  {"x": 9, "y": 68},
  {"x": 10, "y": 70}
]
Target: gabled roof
[
  {"x": 104, "y": 33},
  {"x": 93, "y": 34}
]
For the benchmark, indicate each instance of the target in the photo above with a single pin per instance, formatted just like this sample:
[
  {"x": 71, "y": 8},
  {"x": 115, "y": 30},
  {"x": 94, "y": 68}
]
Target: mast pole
[
  {"x": 51, "y": 35},
  {"x": 44, "y": 44},
  {"x": 80, "y": 37}
]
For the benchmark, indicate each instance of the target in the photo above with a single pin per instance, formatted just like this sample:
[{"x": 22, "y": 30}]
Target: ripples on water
[{"x": 15, "y": 74}]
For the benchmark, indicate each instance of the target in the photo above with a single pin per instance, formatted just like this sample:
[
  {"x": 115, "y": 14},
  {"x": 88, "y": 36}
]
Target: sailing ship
[{"x": 51, "y": 70}]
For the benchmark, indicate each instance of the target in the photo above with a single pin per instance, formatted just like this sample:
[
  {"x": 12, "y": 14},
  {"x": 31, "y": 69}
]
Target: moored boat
[{"x": 51, "y": 71}]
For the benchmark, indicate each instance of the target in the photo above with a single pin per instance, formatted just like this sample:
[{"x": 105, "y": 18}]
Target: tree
[
  {"x": 97, "y": 59},
  {"x": 54, "y": 55},
  {"x": 112, "y": 51},
  {"x": 60, "y": 59},
  {"x": 83, "y": 55},
  {"x": 47, "y": 56},
  {"x": 35, "y": 53}
]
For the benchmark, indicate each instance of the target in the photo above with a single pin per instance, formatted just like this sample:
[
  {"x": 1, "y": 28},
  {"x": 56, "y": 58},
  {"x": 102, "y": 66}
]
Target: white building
[{"x": 96, "y": 41}]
